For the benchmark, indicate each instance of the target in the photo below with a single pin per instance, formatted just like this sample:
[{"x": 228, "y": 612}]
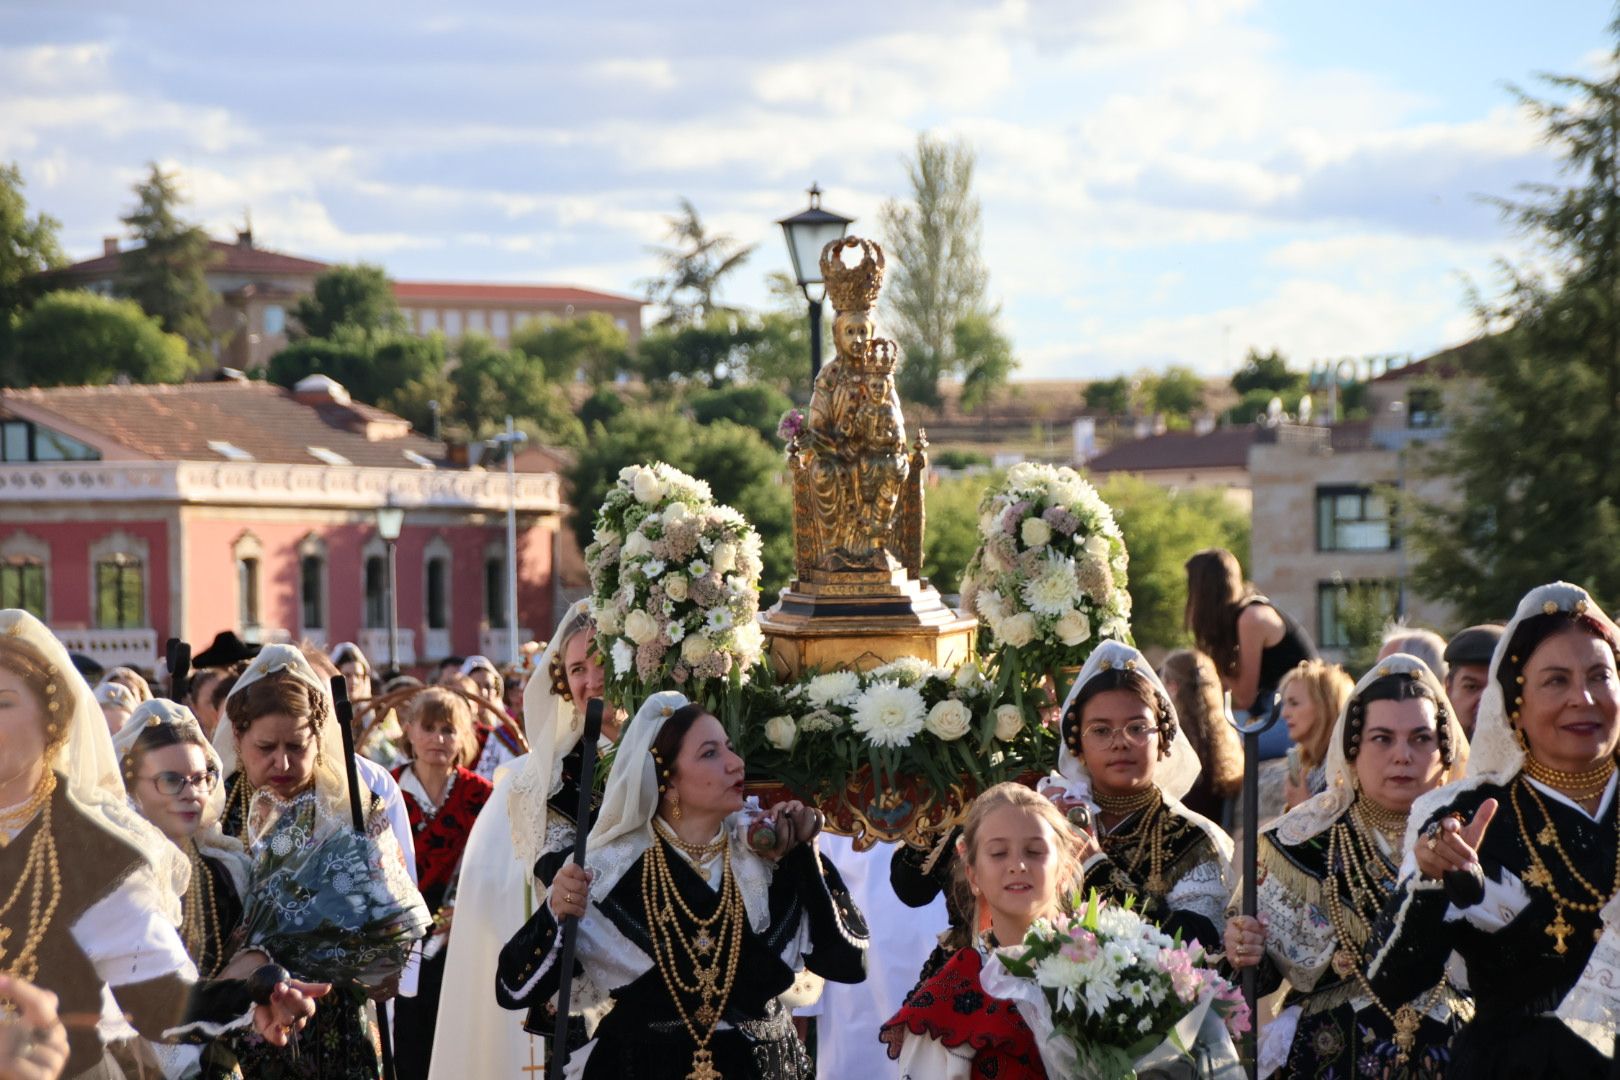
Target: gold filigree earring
[{"x": 674, "y": 805}]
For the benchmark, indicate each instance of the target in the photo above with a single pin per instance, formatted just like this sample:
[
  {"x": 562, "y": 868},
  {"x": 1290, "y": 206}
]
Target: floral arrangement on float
[
  {"x": 1109, "y": 995},
  {"x": 908, "y": 728},
  {"x": 1048, "y": 579},
  {"x": 674, "y": 587}
]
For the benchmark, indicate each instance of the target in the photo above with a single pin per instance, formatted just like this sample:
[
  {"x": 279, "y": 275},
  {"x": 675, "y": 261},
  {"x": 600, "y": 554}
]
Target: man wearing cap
[{"x": 1469, "y": 657}]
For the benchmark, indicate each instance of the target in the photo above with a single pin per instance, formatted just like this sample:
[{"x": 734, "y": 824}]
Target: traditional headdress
[
  {"x": 117, "y": 695},
  {"x": 345, "y": 652},
  {"x": 160, "y": 712},
  {"x": 552, "y": 723},
  {"x": 1175, "y": 774},
  {"x": 331, "y": 778},
  {"x": 1318, "y": 813},
  {"x": 473, "y": 663},
  {"x": 82, "y": 752}
]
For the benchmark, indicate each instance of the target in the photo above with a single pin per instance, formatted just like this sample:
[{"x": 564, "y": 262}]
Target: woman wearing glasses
[
  {"x": 172, "y": 775},
  {"x": 1124, "y": 757}
]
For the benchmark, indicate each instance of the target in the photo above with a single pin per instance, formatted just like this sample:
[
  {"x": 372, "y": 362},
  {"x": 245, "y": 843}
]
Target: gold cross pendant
[
  {"x": 1407, "y": 1022},
  {"x": 1558, "y": 929},
  {"x": 703, "y": 1067}
]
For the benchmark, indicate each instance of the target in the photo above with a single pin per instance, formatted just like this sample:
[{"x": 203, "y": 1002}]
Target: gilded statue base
[
  {"x": 831, "y": 625},
  {"x": 911, "y": 814}
]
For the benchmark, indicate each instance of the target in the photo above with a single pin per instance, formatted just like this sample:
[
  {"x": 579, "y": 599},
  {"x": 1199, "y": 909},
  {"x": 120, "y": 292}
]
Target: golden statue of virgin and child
[{"x": 858, "y": 597}]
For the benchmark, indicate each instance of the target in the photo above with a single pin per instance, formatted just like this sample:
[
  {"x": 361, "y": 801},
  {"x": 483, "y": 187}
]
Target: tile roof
[
  {"x": 1224, "y": 448},
  {"x": 533, "y": 294},
  {"x": 228, "y": 259},
  {"x": 177, "y": 423},
  {"x": 1445, "y": 364}
]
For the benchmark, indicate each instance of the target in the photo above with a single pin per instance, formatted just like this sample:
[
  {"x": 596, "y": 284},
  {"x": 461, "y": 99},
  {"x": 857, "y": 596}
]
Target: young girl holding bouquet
[{"x": 1018, "y": 860}]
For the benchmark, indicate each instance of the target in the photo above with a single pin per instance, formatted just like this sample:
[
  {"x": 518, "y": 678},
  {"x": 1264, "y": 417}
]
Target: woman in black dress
[
  {"x": 1534, "y": 824},
  {"x": 688, "y": 936}
]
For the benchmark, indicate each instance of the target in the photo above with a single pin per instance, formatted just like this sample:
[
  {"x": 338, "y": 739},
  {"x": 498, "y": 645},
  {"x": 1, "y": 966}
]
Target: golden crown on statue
[
  {"x": 852, "y": 288},
  {"x": 879, "y": 358}
]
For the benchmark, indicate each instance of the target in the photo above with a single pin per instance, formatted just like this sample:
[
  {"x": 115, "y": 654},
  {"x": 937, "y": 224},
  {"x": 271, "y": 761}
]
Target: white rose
[
  {"x": 724, "y": 557},
  {"x": 1019, "y": 630},
  {"x": 609, "y": 621},
  {"x": 647, "y": 487},
  {"x": 696, "y": 648},
  {"x": 628, "y": 473},
  {"x": 640, "y": 627},
  {"x": 674, "y": 512},
  {"x": 675, "y": 585},
  {"x": 949, "y": 720},
  {"x": 636, "y": 546},
  {"x": 993, "y": 562},
  {"x": 1009, "y": 722},
  {"x": 987, "y": 524},
  {"x": 781, "y": 732},
  {"x": 1097, "y": 546},
  {"x": 1035, "y": 532},
  {"x": 1073, "y": 628}
]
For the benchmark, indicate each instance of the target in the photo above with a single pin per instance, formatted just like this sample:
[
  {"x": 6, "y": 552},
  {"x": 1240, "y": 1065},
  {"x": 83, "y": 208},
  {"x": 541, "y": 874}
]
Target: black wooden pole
[{"x": 1252, "y": 725}]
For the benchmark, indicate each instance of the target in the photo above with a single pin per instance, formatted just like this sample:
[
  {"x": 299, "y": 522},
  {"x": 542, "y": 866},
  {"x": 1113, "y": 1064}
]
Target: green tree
[
  {"x": 28, "y": 247},
  {"x": 1176, "y": 391},
  {"x": 689, "y": 288},
  {"x": 937, "y": 279},
  {"x": 1111, "y": 397},
  {"x": 952, "y": 533},
  {"x": 741, "y": 468},
  {"x": 725, "y": 348},
  {"x": 370, "y": 369},
  {"x": 1532, "y": 462},
  {"x": 358, "y": 296},
  {"x": 1162, "y": 527},
  {"x": 750, "y": 404},
  {"x": 588, "y": 346},
  {"x": 167, "y": 272},
  {"x": 1267, "y": 371},
  {"x": 492, "y": 382},
  {"x": 415, "y": 401},
  {"x": 73, "y": 338},
  {"x": 603, "y": 405}
]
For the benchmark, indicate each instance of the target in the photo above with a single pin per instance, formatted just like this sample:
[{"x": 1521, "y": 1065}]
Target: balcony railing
[
  {"x": 495, "y": 643},
  {"x": 137, "y": 648},
  {"x": 374, "y": 643},
  {"x": 438, "y": 645}
]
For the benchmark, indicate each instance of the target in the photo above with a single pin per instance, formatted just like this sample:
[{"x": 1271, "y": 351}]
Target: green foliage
[
  {"x": 743, "y": 470},
  {"x": 958, "y": 458},
  {"x": 727, "y": 348},
  {"x": 602, "y": 406},
  {"x": 1176, "y": 391},
  {"x": 371, "y": 370},
  {"x": 28, "y": 246},
  {"x": 1111, "y": 397},
  {"x": 359, "y": 296},
  {"x": 491, "y": 382},
  {"x": 1533, "y": 464},
  {"x": 937, "y": 280},
  {"x": 1162, "y": 527},
  {"x": 952, "y": 533},
  {"x": 1268, "y": 371},
  {"x": 167, "y": 273},
  {"x": 76, "y": 338},
  {"x": 588, "y": 346},
  {"x": 751, "y": 405},
  {"x": 689, "y": 287}
]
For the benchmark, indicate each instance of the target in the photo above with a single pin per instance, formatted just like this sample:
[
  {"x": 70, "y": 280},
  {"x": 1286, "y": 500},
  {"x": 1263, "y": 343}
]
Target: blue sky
[{"x": 1164, "y": 181}]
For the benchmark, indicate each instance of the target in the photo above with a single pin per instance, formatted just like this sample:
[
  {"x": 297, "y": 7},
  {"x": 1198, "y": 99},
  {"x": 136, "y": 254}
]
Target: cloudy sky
[{"x": 1163, "y": 180}]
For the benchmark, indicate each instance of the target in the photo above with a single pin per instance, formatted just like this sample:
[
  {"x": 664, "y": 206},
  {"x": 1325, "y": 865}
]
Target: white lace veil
[
  {"x": 553, "y": 726},
  {"x": 86, "y": 760},
  {"x": 331, "y": 778},
  {"x": 623, "y": 828},
  {"x": 160, "y": 712},
  {"x": 1318, "y": 813},
  {"x": 1176, "y": 774}
]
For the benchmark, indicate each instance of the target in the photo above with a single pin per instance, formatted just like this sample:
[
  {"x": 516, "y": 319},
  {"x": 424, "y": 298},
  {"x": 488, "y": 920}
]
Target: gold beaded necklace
[
  {"x": 1148, "y": 832},
  {"x": 199, "y": 923},
  {"x": 243, "y": 798},
  {"x": 715, "y": 943},
  {"x": 1581, "y": 786},
  {"x": 14, "y": 818},
  {"x": 1354, "y": 864},
  {"x": 1386, "y": 822},
  {"x": 1539, "y": 876},
  {"x": 701, "y": 855},
  {"x": 42, "y": 877}
]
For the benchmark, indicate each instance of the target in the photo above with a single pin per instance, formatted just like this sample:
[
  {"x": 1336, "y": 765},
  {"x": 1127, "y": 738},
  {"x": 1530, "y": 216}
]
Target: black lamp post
[
  {"x": 390, "y": 522},
  {"x": 807, "y": 233}
]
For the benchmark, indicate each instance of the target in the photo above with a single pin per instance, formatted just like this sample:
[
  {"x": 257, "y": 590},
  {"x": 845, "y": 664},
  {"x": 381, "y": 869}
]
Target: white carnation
[
  {"x": 1073, "y": 628},
  {"x": 1009, "y": 722},
  {"x": 949, "y": 720},
  {"x": 889, "y": 715},
  {"x": 833, "y": 688},
  {"x": 781, "y": 732},
  {"x": 640, "y": 627},
  {"x": 749, "y": 640},
  {"x": 1036, "y": 533},
  {"x": 1017, "y": 631},
  {"x": 623, "y": 655}
]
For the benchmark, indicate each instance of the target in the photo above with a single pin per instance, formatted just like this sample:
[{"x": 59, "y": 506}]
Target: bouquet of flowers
[
  {"x": 1048, "y": 579},
  {"x": 1109, "y": 995},
  {"x": 674, "y": 585},
  {"x": 334, "y": 905},
  {"x": 906, "y": 719}
]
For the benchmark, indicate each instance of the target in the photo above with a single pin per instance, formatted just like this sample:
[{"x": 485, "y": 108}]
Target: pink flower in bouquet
[
  {"x": 1061, "y": 520},
  {"x": 1230, "y": 1004},
  {"x": 1185, "y": 980},
  {"x": 791, "y": 426},
  {"x": 1081, "y": 947}
]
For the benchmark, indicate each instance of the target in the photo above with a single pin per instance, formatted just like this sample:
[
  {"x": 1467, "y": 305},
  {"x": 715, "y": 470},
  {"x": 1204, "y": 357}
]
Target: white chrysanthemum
[
  {"x": 748, "y": 640},
  {"x": 949, "y": 720},
  {"x": 833, "y": 688},
  {"x": 1017, "y": 631},
  {"x": 676, "y": 630},
  {"x": 990, "y": 605},
  {"x": 697, "y": 568},
  {"x": 1035, "y": 532},
  {"x": 623, "y": 656},
  {"x": 889, "y": 715},
  {"x": 1052, "y": 590}
]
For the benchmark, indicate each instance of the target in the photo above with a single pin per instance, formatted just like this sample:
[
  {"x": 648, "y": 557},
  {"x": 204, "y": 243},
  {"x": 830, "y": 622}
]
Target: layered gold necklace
[
  {"x": 41, "y": 879},
  {"x": 199, "y": 920},
  {"x": 1539, "y": 876},
  {"x": 1148, "y": 832},
  {"x": 1355, "y": 866},
  {"x": 243, "y": 798},
  {"x": 711, "y": 944},
  {"x": 701, "y": 855},
  {"x": 1580, "y": 786}
]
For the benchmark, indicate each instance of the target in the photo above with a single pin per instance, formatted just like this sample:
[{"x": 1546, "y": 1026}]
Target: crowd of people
[{"x": 205, "y": 882}]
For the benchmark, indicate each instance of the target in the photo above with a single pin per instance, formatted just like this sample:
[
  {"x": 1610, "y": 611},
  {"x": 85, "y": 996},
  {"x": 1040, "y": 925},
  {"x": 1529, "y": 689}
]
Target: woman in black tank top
[{"x": 1253, "y": 643}]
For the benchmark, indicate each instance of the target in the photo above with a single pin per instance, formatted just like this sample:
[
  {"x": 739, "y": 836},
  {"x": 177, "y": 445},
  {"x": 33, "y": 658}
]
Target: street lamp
[
  {"x": 510, "y": 440},
  {"x": 390, "y": 521},
  {"x": 807, "y": 233}
]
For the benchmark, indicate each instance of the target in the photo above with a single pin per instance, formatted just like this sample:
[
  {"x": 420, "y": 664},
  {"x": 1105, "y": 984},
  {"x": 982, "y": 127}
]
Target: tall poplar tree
[
  {"x": 936, "y": 296},
  {"x": 1534, "y": 458},
  {"x": 166, "y": 273}
]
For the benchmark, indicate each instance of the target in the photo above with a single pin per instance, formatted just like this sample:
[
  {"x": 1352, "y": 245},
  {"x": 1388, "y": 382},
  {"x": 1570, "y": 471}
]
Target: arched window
[
  {"x": 436, "y": 567},
  {"x": 249, "y": 556},
  {"x": 118, "y": 575},
  {"x": 495, "y": 587},
  {"x": 312, "y": 583},
  {"x": 24, "y": 560}
]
